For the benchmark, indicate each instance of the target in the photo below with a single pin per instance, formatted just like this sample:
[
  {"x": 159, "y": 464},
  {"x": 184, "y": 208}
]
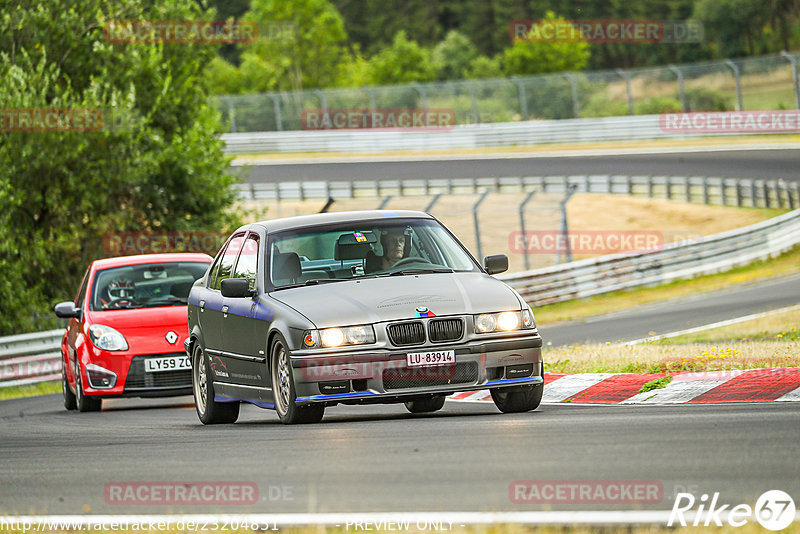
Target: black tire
[
  {"x": 516, "y": 400},
  {"x": 425, "y": 405},
  {"x": 284, "y": 392},
  {"x": 82, "y": 402},
  {"x": 69, "y": 397},
  {"x": 209, "y": 410}
]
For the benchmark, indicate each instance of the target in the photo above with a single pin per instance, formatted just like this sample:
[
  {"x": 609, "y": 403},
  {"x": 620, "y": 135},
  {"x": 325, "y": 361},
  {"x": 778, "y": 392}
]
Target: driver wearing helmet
[{"x": 120, "y": 290}]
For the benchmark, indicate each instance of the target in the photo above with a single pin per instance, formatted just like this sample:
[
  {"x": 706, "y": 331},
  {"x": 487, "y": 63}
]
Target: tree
[
  {"x": 303, "y": 45},
  {"x": 161, "y": 169},
  {"x": 405, "y": 61},
  {"x": 530, "y": 56},
  {"x": 453, "y": 56}
]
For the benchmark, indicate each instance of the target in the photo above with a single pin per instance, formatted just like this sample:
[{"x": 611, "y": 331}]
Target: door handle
[{"x": 225, "y": 311}]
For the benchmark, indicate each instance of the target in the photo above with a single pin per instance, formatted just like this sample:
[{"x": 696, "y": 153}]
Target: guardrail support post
[
  {"x": 564, "y": 224},
  {"x": 793, "y": 61},
  {"x": 736, "y": 74},
  {"x": 679, "y": 75},
  {"x": 432, "y": 203},
  {"x": 276, "y": 104},
  {"x": 627, "y": 77},
  {"x": 522, "y": 229},
  {"x": 576, "y": 104}
]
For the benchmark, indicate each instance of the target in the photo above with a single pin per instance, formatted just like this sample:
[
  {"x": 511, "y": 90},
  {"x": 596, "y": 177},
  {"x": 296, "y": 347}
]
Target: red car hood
[{"x": 146, "y": 329}]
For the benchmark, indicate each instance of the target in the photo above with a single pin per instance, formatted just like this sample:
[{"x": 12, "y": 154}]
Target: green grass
[
  {"x": 658, "y": 383},
  {"x": 31, "y": 390}
]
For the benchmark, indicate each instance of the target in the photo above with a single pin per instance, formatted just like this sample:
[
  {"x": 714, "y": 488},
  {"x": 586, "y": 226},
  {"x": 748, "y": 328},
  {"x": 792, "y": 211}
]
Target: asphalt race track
[
  {"x": 381, "y": 459},
  {"x": 677, "y": 314},
  {"x": 740, "y": 163},
  {"x": 464, "y": 458}
]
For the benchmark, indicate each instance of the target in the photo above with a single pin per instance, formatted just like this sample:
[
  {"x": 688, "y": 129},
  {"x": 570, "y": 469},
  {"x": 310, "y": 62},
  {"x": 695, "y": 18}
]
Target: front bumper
[{"x": 381, "y": 376}]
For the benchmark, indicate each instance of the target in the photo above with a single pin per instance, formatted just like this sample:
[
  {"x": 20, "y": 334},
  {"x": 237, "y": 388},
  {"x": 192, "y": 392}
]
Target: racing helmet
[{"x": 121, "y": 288}]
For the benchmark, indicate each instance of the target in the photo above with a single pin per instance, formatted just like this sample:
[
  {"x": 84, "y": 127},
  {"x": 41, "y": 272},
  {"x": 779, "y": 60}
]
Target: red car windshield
[{"x": 145, "y": 286}]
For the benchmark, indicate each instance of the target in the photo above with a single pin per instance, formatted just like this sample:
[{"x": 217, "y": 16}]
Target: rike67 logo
[{"x": 774, "y": 510}]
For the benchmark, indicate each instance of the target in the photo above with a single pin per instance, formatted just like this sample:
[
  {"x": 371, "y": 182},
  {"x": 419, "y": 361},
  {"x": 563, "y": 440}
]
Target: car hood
[
  {"x": 373, "y": 300},
  {"x": 145, "y": 329}
]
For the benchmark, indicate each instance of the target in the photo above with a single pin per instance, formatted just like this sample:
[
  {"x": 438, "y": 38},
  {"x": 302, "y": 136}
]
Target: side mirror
[
  {"x": 67, "y": 310},
  {"x": 495, "y": 264},
  {"x": 236, "y": 288}
]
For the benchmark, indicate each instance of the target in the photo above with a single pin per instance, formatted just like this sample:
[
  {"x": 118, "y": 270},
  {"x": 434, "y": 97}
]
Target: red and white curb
[{"x": 751, "y": 385}]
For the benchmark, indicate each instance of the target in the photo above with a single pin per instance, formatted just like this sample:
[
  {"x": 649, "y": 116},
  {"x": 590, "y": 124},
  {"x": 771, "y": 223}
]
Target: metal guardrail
[
  {"x": 524, "y": 133},
  {"x": 742, "y": 192},
  {"x": 706, "y": 255},
  {"x": 30, "y": 358}
]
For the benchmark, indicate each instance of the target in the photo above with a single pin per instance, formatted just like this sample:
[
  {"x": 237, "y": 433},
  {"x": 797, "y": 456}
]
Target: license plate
[
  {"x": 434, "y": 357},
  {"x": 171, "y": 363}
]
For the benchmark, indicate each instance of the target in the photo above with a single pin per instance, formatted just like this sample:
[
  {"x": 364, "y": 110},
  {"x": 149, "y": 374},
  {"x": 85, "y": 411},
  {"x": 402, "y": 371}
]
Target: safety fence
[
  {"x": 741, "y": 192},
  {"x": 729, "y": 84},
  {"x": 705, "y": 255},
  {"x": 30, "y": 358}
]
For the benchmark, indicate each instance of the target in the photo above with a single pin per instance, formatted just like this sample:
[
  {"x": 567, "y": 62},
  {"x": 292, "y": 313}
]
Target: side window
[
  {"x": 79, "y": 299},
  {"x": 227, "y": 261},
  {"x": 247, "y": 265}
]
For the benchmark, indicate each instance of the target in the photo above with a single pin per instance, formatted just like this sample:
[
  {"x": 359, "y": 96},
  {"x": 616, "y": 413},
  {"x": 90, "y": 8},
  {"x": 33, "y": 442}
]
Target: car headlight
[
  {"x": 337, "y": 337},
  {"x": 506, "y": 321},
  {"x": 106, "y": 338}
]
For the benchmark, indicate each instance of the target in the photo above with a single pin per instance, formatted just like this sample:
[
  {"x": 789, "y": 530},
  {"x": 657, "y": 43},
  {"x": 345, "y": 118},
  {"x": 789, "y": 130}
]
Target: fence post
[
  {"x": 668, "y": 183},
  {"x": 739, "y": 194},
  {"x": 723, "y": 192},
  {"x": 765, "y": 187},
  {"x": 476, "y": 117},
  {"x": 793, "y": 61},
  {"x": 679, "y": 75},
  {"x": 779, "y": 189},
  {"x": 627, "y": 77},
  {"x": 705, "y": 189},
  {"x": 564, "y": 225},
  {"x": 523, "y": 101},
  {"x": 276, "y": 103},
  {"x": 576, "y": 104},
  {"x": 791, "y": 198},
  {"x": 371, "y": 95},
  {"x": 753, "y": 195},
  {"x": 385, "y": 201},
  {"x": 432, "y": 203},
  {"x": 323, "y": 99},
  {"x": 522, "y": 229},
  {"x": 735, "y": 68},
  {"x": 650, "y": 186},
  {"x": 231, "y": 113},
  {"x": 477, "y": 224},
  {"x": 629, "y": 181},
  {"x": 688, "y": 188},
  {"x": 423, "y": 97}
]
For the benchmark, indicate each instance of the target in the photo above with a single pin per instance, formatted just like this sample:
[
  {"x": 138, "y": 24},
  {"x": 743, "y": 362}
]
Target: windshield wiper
[
  {"x": 404, "y": 272},
  {"x": 315, "y": 281}
]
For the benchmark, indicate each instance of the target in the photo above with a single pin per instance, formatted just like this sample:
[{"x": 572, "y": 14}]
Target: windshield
[
  {"x": 145, "y": 286},
  {"x": 366, "y": 248}
]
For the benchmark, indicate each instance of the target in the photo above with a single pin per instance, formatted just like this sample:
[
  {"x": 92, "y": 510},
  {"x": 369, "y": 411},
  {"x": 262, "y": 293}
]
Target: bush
[
  {"x": 702, "y": 99},
  {"x": 656, "y": 105}
]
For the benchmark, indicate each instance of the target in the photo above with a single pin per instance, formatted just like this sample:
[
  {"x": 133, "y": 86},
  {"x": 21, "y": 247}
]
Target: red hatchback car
[{"x": 126, "y": 329}]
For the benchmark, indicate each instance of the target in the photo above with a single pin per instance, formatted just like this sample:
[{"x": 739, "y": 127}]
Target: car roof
[
  {"x": 122, "y": 261},
  {"x": 300, "y": 221}
]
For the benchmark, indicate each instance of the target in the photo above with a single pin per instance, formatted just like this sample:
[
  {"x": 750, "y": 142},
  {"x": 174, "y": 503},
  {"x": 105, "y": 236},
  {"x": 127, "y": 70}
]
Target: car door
[
  {"x": 213, "y": 311},
  {"x": 246, "y": 365}
]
